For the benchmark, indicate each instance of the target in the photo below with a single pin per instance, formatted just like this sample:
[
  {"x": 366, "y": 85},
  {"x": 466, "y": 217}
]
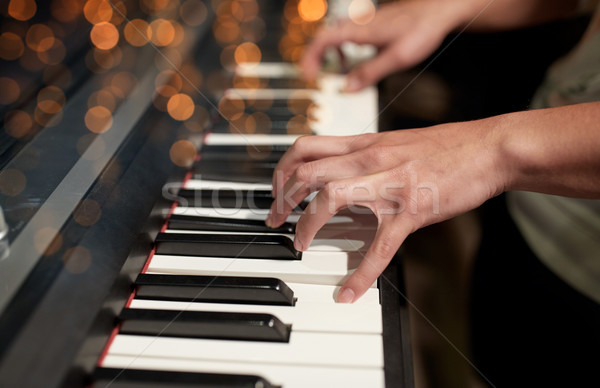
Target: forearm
[
  {"x": 553, "y": 151},
  {"x": 493, "y": 15}
]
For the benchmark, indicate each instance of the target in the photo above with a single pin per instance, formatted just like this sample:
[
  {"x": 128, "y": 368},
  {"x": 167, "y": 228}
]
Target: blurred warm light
[
  {"x": 51, "y": 100},
  {"x": 179, "y": 34},
  {"x": 9, "y": 90},
  {"x": 104, "y": 98},
  {"x": 163, "y": 32},
  {"x": 231, "y": 108},
  {"x": 97, "y": 11},
  {"x": 226, "y": 30},
  {"x": 192, "y": 78},
  {"x": 54, "y": 55},
  {"x": 11, "y": 46},
  {"x": 155, "y": 5},
  {"x": 182, "y": 153},
  {"x": 122, "y": 83},
  {"x": 12, "y": 182},
  {"x": 168, "y": 58},
  {"x": 180, "y": 106},
  {"x": 247, "y": 52},
  {"x": 168, "y": 83},
  {"x": 361, "y": 11},
  {"x": 193, "y": 12},
  {"x": 312, "y": 10},
  {"x": 17, "y": 123},
  {"x": 66, "y": 10},
  {"x": 299, "y": 102},
  {"x": 107, "y": 59},
  {"x": 119, "y": 13},
  {"x": 98, "y": 119},
  {"x": 244, "y": 10},
  {"x": 77, "y": 260},
  {"x": 137, "y": 32},
  {"x": 22, "y": 9},
  {"x": 87, "y": 213},
  {"x": 240, "y": 82},
  {"x": 39, "y": 37},
  {"x": 57, "y": 75},
  {"x": 227, "y": 58},
  {"x": 46, "y": 119},
  {"x": 199, "y": 120},
  {"x": 104, "y": 35},
  {"x": 262, "y": 122},
  {"x": 47, "y": 241},
  {"x": 298, "y": 125}
]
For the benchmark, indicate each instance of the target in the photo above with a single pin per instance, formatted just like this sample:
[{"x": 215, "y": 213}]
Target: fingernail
[
  {"x": 346, "y": 295},
  {"x": 352, "y": 84},
  {"x": 269, "y": 221},
  {"x": 298, "y": 245}
]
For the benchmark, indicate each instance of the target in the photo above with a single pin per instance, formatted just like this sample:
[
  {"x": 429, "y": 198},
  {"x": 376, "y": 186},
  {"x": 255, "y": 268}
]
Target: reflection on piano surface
[{"x": 138, "y": 144}]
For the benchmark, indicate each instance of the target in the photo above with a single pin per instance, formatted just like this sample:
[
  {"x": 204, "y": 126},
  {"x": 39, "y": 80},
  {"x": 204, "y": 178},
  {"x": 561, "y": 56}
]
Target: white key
[
  {"x": 330, "y": 268},
  {"x": 297, "y": 376},
  {"x": 248, "y": 139},
  {"x": 323, "y": 349},
  {"x": 319, "y": 293},
  {"x": 198, "y": 184},
  {"x": 268, "y": 70},
  {"x": 317, "y": 245},
  {"x": 309, "y": 317}
]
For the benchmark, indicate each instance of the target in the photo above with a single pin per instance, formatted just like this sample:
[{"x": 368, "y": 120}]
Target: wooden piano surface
[{"x": 95, "y": 193}]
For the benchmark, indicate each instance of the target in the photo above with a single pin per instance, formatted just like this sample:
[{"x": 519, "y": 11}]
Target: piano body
[{"x": 136, "y": 153}]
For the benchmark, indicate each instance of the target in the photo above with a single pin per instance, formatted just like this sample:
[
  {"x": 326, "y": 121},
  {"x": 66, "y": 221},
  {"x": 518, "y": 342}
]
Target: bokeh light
[
  {"x": 193, "y": 12},
  {"x": 183, "y": 153},
  {"x": 12, "y": 182},
  {"x": 97, "y": 11},
  {"x": 22, "y": 9},
  {"x": 11, "y": 46},
  {"x": 98, "y": 119},
  {"x": 39, "y": 37},
  {"x": 247, "y": 52},
  {"x": 163, "y": 32},
  {"x": 9, "y": 90},
  {"x": 137, "y": 32},
  {"x": 104, "y": 35},
  {"x": 77, "y": 260},
  {"x": 87, "y": 213},
  {"x": 17, "y": 123},
  {"x": 47, "y": 241},
  {"x": 180, "y": 106},
  {"x": 312, "y": 10},
  {"x": 361, "y": 11}
]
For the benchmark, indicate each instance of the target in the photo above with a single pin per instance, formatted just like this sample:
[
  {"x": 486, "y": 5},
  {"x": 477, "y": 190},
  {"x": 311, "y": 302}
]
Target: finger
[
  {"x": 389, "y": 237},
  {"x": 312, "y": 58},
  {"x": 309, "y": 148},
  {"x": 330, "y": 200},
  {"x": 370, "y": 72},
  {"x": 311, "y": 177}
]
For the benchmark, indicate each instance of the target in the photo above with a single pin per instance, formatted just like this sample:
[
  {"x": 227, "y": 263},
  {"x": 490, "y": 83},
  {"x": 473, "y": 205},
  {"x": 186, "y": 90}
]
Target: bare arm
[{"x": 414, "y": 178}]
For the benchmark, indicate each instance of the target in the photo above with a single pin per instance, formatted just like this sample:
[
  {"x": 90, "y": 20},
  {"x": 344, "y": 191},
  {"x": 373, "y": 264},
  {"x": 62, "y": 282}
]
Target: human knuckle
[{"x": 305, "y": 172}]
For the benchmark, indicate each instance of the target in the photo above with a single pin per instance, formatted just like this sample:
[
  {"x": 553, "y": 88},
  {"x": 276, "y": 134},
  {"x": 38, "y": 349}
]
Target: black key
[
  {"x": 214, "y": 289},
  {"x": 204, "y": 324},
  {"x": 274, "y": 247},
  {"x": 184, "y": 222},
  {"x": 226, "y": 198},
  {"x": 138, "y": 378},
  {"x": 244, "y": 172}
]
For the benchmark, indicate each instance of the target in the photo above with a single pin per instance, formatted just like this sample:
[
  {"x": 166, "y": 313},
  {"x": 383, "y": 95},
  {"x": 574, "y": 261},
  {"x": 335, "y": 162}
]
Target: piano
[{"x": 137, "y": 147}]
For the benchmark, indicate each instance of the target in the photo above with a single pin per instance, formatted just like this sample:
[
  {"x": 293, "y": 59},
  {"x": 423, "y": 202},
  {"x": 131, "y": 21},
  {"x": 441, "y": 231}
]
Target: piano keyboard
[{"x": 227, "y": 300}]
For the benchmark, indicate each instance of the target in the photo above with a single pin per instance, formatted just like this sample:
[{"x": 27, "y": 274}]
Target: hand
[
  {"x": 405, "y": 32},
  {"x": 408, "y": 179}
]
